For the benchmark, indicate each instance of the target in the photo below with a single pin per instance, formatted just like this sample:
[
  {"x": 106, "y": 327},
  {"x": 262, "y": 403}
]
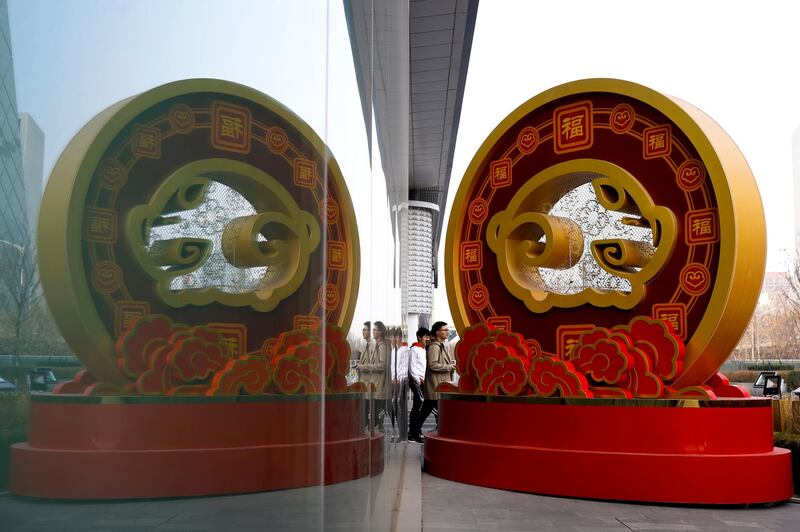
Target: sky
[
  {"x": 737, "y": 61},
  {"x": 734, "y": 60}
]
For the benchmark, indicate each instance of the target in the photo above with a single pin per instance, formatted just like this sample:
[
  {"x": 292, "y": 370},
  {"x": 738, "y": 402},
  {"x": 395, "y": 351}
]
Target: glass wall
[{"x": 210, "y": 253}]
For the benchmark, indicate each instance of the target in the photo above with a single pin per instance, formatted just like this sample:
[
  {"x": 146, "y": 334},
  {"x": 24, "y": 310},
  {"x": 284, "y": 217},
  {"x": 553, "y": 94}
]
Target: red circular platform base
[
  {"x": 128, "y": 447},
  {"x": 694, "y": 452}
]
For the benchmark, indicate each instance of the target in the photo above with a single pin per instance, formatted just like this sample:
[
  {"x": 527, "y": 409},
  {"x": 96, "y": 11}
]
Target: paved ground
[
  {"x": 402, "y": 498},
  {"x": 469, "y": 508}
]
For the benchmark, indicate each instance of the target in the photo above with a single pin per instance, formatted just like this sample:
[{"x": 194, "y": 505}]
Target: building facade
[
  {"x": 32, "y": 152},
  {"x": 14, "y": 227}
]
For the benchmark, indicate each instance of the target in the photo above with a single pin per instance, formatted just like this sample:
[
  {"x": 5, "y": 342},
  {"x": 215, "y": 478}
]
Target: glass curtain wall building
[{"x": 13, "y": 212}]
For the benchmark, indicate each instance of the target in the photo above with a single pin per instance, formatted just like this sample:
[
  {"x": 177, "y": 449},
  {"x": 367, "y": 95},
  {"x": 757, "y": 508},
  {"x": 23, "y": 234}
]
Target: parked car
[
  {"x": 768, "y": 384},
  {"x": 42, "y": 380},
  {"x": 6, "y": 386}
]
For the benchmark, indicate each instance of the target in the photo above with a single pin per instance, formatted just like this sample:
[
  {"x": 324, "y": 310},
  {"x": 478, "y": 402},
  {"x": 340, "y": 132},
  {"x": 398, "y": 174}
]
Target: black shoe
[{"x": 417, "y": 439}]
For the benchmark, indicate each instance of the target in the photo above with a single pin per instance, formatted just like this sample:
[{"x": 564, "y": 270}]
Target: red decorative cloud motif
[
  {"x": 82, "y": 380},
  {"x": 291, "y": 338},
  {"x": 534, "y": 347},
  {"x": 138, "y": 342},
  {"x": 691, "y": 392},
  {"x": 467, "y": 382},
  {"x": 549, "y": 376},
  {"x": 641, "y": 381},
  {"x": 339, "y": 352},
  {"x": 104, "y": 388},
  {"x": 160, "y": 376},
  {"x": 188, "y": 389},
  {"x": 604, "y": 361},
  {"x": 200, "y": 331},
  {"x": 250, "y": 375},
  {"x": 446, "y": 387},
  {"x": 486, "y": 355},
  {"x": 357, "y": 387},
  {"x": 514, "y": 342},
  {"x": 722, "y": 387},
  {"x": 196, "y": 359},
  {"x": 472, "y": 336},
  {"x": 660, "y": 343},
  {"x": 299, "y": 370},
  {"x": 508, "y": 376},
  {"x": 611, "y": 392},
  {"x": 632, "y": 360},
  {"x": 594, "y": 335},
  {"x": 477, "y": 352},
  {"x": 268, "y": 349},
  {"x": 162, "y": 357}
]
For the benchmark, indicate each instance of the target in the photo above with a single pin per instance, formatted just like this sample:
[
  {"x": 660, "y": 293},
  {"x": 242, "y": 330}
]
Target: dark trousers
[
  {"x": 394, "y": 405},
  {"x": 417, "y": 398},
  {"x": 374, "y": 411},
  {"x": 428, "y": 406}
]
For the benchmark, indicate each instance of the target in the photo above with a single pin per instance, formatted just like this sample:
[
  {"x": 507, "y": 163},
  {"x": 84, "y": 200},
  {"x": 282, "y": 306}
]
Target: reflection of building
[
  {"x": 411, "y": 79},
  {"x": 13, "y": 218},
  {"x": 32, "y": 147},
  {"x": 417, "y": 224}
]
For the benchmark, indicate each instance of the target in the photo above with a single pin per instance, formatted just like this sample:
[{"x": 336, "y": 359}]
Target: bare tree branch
[{"x": 20, "y": 290}]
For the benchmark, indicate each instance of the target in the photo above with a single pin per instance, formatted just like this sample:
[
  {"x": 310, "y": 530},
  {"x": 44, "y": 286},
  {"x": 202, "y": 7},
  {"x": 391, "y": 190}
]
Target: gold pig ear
[
  {"x": 189, "y": 195},
  {"x": 633, "y": 260}
]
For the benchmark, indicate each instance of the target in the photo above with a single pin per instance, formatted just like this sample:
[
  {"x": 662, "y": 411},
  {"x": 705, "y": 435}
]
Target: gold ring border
[
  {"x": 61, "y": 264},
  {"x": 742, "y": 256}
]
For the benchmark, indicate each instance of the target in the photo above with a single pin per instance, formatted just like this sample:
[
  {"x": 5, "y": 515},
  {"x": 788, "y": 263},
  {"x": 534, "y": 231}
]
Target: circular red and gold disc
[
  {"x": 601, "y": 200},
  {"x": 203, "y": 201}
]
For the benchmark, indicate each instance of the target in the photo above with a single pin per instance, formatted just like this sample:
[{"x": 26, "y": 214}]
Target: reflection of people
[
  {"x": 379, "y": 368},
  {"x": 363, "y": 359},
  {"x": 362, "y": 366},
  {"x": 416, "y": 379},
  {"x": 399, "y": 366},
  {"x": 440, "y": 368},
  {"x": 363, "y": 344}
]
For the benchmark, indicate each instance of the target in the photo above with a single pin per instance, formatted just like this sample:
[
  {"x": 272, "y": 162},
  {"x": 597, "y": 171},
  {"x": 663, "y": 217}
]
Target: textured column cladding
[{"x": 416, "y": 270}]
